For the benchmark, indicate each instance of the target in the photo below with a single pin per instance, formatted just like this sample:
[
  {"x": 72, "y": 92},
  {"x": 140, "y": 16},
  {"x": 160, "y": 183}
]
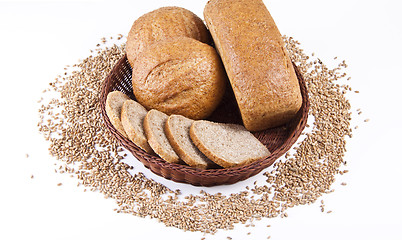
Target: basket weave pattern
[{"x": 278, "y": 140}]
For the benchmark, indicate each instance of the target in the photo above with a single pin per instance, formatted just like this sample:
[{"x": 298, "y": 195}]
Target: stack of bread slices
[{"x": 177, "y": 139}]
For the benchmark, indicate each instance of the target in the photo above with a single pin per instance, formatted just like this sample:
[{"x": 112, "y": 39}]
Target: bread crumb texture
[
  {"x": 227, "y": 144},
  {"x": 178, "y": 132},
  {"x": 154, "y": 126}
]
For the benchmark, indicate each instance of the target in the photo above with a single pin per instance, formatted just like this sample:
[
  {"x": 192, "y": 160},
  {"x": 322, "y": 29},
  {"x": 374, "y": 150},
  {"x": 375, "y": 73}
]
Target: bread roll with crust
[
  {"x": 164, "y": 23},
  {"x": 180, "y": 76},
  {"x": 258, "y": 65}
]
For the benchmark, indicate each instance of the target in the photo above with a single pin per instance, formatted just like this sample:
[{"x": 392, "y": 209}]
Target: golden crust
[
  {"x": 258, "y": 66},
  {"x": 164, "y": 23},
  {"x": 180, "y": 76}
]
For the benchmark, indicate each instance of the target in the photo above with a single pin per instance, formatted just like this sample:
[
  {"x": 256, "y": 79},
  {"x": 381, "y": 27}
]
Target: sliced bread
[
  {"x": 177, "y": 131},
  {"x": 228, "y": 145},
  {"x": 114, "y": 103},
  {"x": 154, "y": 126},
  {"x": 132, "y": 119}
]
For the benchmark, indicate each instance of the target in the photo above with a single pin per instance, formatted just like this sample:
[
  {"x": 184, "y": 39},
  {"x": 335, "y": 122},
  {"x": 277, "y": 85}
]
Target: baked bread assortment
[
  {"x": 179, "y": 76},
  {"x": 260, "y": 71},
  {"x": 164, "y": 23},
  {"x": 179, "y": 79}
]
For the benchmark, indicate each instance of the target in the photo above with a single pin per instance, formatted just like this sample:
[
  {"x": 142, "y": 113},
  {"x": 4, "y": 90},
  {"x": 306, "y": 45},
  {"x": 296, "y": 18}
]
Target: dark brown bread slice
[
  {"x": 154, "y": 125},
  {"x": 177, "y": 131},
  {"x": 114, "y": 103},
  {"x": 228, "y": 145},
  {"x": 132, "y": 119}
]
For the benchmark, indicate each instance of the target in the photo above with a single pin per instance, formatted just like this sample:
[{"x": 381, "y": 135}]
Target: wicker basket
[{"x": 278, "y": 140}]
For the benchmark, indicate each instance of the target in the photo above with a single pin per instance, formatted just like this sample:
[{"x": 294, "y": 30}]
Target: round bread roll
[
  {"x": 179, "y": 76},
  {"x": 163, "y": 23}
]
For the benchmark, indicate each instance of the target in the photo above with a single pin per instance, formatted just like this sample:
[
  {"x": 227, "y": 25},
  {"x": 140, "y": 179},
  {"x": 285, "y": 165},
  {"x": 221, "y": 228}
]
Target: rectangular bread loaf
[{"x": 258, "y": 66}]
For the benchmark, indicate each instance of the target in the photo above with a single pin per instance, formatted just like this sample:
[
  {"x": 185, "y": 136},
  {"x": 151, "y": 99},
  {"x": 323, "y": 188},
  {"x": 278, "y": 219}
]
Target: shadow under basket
[{"x": 278, "y": 140}]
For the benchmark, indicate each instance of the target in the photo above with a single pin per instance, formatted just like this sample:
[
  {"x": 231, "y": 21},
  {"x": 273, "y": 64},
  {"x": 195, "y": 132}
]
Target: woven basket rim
[{"x": 157, "y": 162}]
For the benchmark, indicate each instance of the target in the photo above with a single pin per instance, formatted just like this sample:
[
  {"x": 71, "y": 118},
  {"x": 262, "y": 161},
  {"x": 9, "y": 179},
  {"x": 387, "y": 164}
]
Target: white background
[{"x": 39, "y": 38}]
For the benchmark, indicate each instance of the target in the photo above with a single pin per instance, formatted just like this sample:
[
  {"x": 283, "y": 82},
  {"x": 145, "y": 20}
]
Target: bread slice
[
  {"x": 114, "y": 103},
  {"x": 228, "y": 145},
  {"x": 177, "y": 131},
  {"x": 132, "y": 119},
  {"x": 154, "y": 126}
]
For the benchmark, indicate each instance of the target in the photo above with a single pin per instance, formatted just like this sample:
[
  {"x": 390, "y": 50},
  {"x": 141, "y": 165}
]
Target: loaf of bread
[
  {"x": 258, "y": 66},
  {"x": 228, "y": 145},
  {"x": 179, "y": 76},
  {"x": 164, "y": 23}
]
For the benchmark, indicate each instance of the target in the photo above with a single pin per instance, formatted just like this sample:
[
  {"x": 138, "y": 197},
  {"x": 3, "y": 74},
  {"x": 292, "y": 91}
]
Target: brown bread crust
[
  {"x": 259, "y": 68},
  {"x": 180, "y": 76},
  {"x": 164, "y": 23}
]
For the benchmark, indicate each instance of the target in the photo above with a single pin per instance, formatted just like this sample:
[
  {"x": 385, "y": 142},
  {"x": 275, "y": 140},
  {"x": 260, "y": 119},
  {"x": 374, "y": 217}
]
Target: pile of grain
[{"x": 72, "y": 122}]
